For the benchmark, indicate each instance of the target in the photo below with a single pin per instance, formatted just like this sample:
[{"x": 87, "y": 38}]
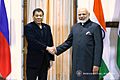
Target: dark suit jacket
[
  {"x": 37, "y": 42},
  {"x": 87, "y": 47}
]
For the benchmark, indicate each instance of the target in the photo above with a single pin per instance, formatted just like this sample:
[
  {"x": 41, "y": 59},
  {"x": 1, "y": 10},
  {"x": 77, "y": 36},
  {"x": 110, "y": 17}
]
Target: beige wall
[{"x": 14, "y": 13}]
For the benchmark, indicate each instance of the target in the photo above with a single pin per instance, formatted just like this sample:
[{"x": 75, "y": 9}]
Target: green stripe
[
  {"x": 103, "y": 70},
  {"x": 118, "y": 52}
]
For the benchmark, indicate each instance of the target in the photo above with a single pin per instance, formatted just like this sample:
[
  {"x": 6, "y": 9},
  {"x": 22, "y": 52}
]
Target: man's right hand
[{"x": 51, "y": 50}]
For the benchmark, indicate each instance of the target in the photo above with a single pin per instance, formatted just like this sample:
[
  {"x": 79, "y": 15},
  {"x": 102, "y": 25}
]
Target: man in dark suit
[
  {"x": 38, "y": 36},
  {"x": 87, "y": 47}
]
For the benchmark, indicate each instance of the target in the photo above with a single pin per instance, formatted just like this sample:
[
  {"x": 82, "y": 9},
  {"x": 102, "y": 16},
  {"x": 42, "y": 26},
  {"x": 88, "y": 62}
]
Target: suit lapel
[{"x": 44, "y": 31}]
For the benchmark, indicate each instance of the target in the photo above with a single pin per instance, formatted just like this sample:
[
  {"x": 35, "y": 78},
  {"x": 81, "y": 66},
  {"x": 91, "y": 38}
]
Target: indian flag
[
  {"x": 118, "y": 48},
  {"x": 98, "y": 12},
  {"x": 106, "y": 71},
  {"x": 118, "y": 42}
]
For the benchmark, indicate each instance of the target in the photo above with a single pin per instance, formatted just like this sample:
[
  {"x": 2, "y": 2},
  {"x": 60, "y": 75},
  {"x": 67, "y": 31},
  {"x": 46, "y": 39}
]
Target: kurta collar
[{"x": 85, "y": 22}]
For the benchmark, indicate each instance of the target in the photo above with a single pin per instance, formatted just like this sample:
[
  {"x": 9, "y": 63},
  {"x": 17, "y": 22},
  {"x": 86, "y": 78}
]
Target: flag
[
  {"x": 118, "y": 48},
  {"x": 98, "y": 11},
  {"x": 118, "y": 40},
  {"x": 5, "y": 61}
]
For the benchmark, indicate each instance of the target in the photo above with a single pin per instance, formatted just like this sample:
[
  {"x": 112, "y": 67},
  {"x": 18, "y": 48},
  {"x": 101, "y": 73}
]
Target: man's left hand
[{"x": 95, "y": 69}]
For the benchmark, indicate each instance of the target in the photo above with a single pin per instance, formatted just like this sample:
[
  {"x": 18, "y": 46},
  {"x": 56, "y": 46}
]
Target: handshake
[{"x": 51, "y": 50}]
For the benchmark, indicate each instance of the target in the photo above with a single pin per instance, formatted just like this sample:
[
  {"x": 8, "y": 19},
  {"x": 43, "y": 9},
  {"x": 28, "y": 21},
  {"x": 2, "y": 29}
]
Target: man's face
[
  {"x": 38, "y": 17},
  {"x": 83, "y": 15}
]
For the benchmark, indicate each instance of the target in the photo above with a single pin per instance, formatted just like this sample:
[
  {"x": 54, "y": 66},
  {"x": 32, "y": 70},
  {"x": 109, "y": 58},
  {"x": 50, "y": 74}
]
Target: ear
[
  {"x": 89, "y": 14},
  {"x": 33, "y": 17}
]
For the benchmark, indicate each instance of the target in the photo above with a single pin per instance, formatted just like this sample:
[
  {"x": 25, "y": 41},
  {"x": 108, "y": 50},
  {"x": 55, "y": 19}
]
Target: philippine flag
[{"x": 5, "y": 61}]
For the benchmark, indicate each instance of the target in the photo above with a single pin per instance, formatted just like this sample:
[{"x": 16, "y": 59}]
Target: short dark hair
[{"x": 37, "y": 9}]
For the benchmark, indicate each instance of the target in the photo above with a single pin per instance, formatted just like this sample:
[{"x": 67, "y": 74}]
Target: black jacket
[{"x": 38, "y": 39}]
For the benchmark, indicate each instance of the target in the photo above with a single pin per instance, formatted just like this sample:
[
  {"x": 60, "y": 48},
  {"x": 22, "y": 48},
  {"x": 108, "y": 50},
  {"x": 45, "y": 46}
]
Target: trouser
[{"x": 41, "y": 73}]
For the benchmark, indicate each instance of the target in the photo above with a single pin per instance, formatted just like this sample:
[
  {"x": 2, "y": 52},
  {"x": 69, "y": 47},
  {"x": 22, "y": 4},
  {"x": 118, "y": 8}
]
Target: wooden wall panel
[{"x": 25, "y": 42}]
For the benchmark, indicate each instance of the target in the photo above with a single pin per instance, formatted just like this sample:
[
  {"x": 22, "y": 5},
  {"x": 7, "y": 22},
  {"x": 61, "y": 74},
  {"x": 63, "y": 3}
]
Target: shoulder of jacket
[
  {"x": 75, "y": 25},
  {"x": 30, "y": 24},
  {"x": 95, "y": 23},
  {"x": 44, "y": 24}
]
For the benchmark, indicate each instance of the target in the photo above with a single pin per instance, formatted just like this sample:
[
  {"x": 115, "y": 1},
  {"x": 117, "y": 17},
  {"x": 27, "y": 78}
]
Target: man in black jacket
[
  {"x": 38, "y": 36},
  {"x": 87, "y": 47}
]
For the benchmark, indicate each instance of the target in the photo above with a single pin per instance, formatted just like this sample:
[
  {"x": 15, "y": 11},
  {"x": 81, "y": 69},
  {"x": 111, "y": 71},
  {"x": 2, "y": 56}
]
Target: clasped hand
[{"x": 51, "y": 50}]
